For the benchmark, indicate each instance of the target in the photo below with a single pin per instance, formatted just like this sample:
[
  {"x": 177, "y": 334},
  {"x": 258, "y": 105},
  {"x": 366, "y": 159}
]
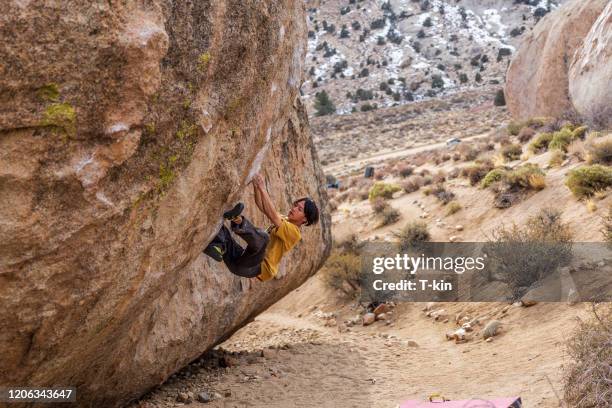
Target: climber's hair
[{"x": 310, "y": 210}]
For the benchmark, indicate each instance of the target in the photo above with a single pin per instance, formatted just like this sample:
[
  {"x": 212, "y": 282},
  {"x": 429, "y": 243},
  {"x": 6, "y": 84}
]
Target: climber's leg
[
  {"x": 223, "y": 246},
  {"x": 256, "y": 239}
]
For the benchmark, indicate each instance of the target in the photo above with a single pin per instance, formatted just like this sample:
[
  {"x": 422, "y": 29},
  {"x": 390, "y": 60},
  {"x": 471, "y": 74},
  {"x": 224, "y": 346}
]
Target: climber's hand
[{"x": 257, "y": 180}]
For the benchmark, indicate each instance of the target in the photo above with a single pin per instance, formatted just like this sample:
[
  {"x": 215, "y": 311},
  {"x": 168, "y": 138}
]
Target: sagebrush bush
[
  {"x": 556, "y": 158},
  {"x": 453, "y": 207},
  {"x": 476, "y": 172},
  {"x": 413, "y": 233},
  {"x": 527, "y": 176},
  {"x": 524, "y": 255},
  {"x": 561, "y": 139},
  {"x": 600, "y": 150},
  {"x": 412, "y": 184},
  {"x": 405, "y": 170},
  {"x": 587, "y": 180},
  {"x": 384, "y": 190},
  {"x": 342, "y": 271},
  {"x": 512, "y": 151},
  {"x": 526, "y": 134},
  {"x": 442, "y": 194},
  {"x": 587, "y": 376},
  {"x": 492, "y": 176},
  {"x": 514, "y": 128},
  {"x": 379, "y": 205},
  {"x": 541, "y": 142},
  {"x": 389, "y": 216}
]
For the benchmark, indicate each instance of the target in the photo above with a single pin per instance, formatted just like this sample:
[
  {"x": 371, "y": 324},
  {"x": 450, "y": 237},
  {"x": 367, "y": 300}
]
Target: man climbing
[{"x": 264, "y": 249}]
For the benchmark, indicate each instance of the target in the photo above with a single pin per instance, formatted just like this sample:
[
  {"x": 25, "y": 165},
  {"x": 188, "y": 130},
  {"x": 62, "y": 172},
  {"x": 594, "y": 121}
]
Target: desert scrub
[
  {"x": 541, "y": 142},
  {"x": 587, "y": 180},
  {"x": 477, "y": 171},
  {"x": 599, "y": 150},
  {"x": 412, "y": 184},
  {"x": 379, "y": 205},
  {"x": 49, "y": 92},
  {"x": 404, "y": 170},
  {"x": 526, "y": 134},
  {"x": 166, "y": 176},
  {"x": 492, "y": 176},
  {"x": 587, "y": 376},
  {"x": 342, "y": 270},
  {"x": 203, "y": 61},
  {"x": 384, "y": 190},
  {"x": 60, "y": 116},
  {"x": 521, "y": 256},
  {"x": 561, "y": 139},
  {"x": 514, "y": 128},
  {"x": 413, "y": 233},
  {"x": 525, "y": 177},
  {"x": 556, "y": 158},
  {"x": 389, "y": 215},
  {"x": 453, "y": 207},
  {"x": 442, "y": 194},
  {"x": 512, "y": 152}
]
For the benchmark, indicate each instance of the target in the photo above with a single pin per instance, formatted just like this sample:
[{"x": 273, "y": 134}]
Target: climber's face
[{"x": 296, "y": 213}]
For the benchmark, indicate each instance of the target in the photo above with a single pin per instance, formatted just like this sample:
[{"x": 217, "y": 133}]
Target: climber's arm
[
  {"x": 266, "y": 203},
  {"x": 257, "y": 197}
]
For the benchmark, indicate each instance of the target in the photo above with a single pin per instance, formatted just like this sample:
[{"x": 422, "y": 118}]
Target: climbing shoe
[
  {"x": 215, "y": 252},
  {"x": 234, "y": 212}
]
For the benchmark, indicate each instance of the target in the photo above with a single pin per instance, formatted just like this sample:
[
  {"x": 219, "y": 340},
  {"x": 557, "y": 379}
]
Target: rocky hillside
[
  {"x": 367, "y": 53},
  {"x": 125, "y": 131}
]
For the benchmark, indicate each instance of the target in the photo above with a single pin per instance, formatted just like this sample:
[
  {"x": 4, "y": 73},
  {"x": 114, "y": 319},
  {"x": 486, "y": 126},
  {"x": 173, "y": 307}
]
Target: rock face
[
  {"x": 590, "y": 74},
  {"x": 125, "y": 131},
  {"x": 537, "y": 78}
]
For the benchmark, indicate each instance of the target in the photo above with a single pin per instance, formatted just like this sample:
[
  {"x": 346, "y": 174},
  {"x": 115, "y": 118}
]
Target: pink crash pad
[{"x": 513, "y": 402}]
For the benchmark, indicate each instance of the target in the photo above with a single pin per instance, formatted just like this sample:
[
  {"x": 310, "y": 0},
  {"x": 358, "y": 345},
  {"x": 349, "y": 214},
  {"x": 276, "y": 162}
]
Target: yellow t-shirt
[{"x": 282, "y": 239}]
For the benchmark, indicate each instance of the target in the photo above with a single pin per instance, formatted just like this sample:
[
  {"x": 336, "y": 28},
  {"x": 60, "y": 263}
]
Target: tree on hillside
[{"x": 323, "y": 104}]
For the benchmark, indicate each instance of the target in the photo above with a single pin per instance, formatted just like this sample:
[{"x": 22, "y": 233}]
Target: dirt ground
[{"x": 297, "y": 355}]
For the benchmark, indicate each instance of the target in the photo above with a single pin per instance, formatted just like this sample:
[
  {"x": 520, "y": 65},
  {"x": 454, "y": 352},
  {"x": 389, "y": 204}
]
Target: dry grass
[
  {"x": 556, "y": 158},
  {"x": 453, "y": 207},
  {"x": 512, "y": 151},
  {"x": 587, "y": 377},
  {"x": 600, "y": 150}
]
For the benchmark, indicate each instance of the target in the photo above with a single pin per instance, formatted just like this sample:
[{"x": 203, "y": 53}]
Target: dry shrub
[
  {"x": 389, "y": 215},
  {"x": 577, "y": 149},
  {"x": 492, "y": 176},
  {"x": 333, "y": 205},
  {"x": 524, "y": 255},
  {"x": 526, "y": 134},
  {"x": 600, "y": 150},
  {"x": 342, "y": 271},
  {"x": 561, "y": 139},
  {"x": 405, "y": 170},
  {"x": 587, "y": 376},
  {"x": 541, "y": 142},
  {"x": 424, "y": 172},
  {"x": 427, "y": 180},
  {"x": 379, "y": 205},
  {"x": 477, "y": 171},
  {"x": 525, "y": 177},
  {"x": 514, "y": 128},
  {"x": 439, "y": 177},
  {"x": 445, "y": 157},
  {"x": 413, "y": 233},
  {"x": 412, "y": 184},
  {"x": 467, "y": 152},
  {"x": 453, "y": 207},
  {"x": 442, "y": 194},
  {"x": 456, "y": 156},
  {"x": 556, "y": 158},
  {"x": 587, "y": 180},
  {"x": 512, "y": 151}
]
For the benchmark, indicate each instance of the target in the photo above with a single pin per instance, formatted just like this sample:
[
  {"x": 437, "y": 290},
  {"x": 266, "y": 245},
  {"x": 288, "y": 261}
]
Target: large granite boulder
[
  {"x": 537, "y": 78},
  {"x": 126, "y": 129},
  {"x": 590, "y": 74}
]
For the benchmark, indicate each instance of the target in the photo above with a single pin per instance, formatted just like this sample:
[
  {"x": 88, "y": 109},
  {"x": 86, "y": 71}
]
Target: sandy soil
[{"x": 297, "y": 355}]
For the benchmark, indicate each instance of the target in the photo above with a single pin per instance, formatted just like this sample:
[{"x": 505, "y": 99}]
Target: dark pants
[{"x": 241, "y": 261}]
